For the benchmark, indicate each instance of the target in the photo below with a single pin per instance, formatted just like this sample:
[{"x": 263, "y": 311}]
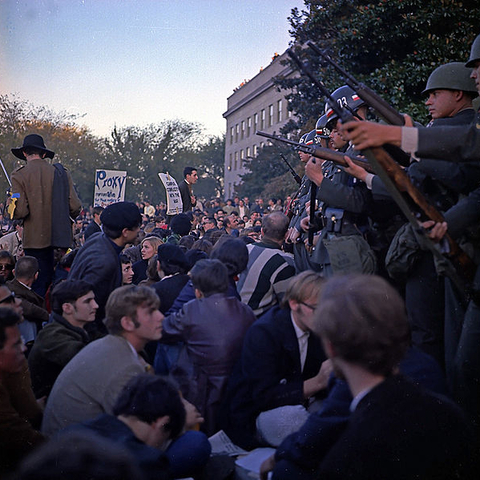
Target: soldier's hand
[
  {"x": 355, "y": 170},
  {"x": 368, "y": 134},
  {"x": 292, "y": 235},
  {"x": 305, "y": 223},
  {"x": 313, "y": 170},
  {"x": 436, "y": 231}
]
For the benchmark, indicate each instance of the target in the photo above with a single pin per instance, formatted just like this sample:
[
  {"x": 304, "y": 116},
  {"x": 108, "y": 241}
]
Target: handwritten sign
[
  {"x": 174, "y": 199},
  {"x": 109, "y": 187}
]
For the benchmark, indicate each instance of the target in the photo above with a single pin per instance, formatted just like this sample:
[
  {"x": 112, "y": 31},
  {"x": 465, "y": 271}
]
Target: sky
[{"x": 136, "y": 62}]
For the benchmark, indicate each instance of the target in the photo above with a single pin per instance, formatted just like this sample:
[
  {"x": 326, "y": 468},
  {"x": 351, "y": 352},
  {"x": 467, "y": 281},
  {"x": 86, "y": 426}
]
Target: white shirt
[{"x": 302, "y": 339}]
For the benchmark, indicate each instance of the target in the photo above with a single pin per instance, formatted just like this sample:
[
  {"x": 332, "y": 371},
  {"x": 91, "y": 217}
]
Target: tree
[
  {"x": 268, "y": 175},
  {"x": 75, "y": 147},
  {"x": 392, "y": 46},
  {"x": 210, "y": 161},
  {"x": 145, "y": 152}
]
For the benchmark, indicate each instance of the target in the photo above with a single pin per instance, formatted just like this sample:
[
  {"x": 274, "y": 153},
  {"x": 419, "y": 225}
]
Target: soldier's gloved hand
[{"x": 293, "y": 235}]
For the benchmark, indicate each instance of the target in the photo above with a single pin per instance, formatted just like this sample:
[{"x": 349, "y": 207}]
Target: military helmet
[
  {"x": 310, "y": 139},
  {"x": 303, "y": 138},
  {"x": 474, "y": 53},
  {"x": 345, "y": 97},
  {"x": 451, "y": 76},
  {"x": 321, "y": 127}
]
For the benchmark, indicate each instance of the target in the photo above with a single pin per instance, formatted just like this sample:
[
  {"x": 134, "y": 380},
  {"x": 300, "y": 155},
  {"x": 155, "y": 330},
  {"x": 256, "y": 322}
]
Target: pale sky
[{"x": 135, "y": 62}]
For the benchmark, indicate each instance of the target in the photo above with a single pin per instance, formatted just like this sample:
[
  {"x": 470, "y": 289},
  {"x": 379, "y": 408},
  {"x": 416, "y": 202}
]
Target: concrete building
[{"x": 255, "y": 105}]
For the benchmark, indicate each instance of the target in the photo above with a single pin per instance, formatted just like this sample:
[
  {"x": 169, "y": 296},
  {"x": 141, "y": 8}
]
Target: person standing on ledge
[{"x": 46, "y": 202}]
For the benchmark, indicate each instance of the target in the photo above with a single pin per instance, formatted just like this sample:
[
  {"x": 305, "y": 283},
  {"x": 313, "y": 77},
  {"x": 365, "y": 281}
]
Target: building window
[
  {"x": 232, "y": 132},
  {"x": 262, "y": 144},
  {"x": 255, "y": 150},
  {"x": 236, "y": 162},
  {"x": 255, "y": 122},
  {"x": 249, "y": 152},
  {"x": 279, "y": 111},
  {"x": 249, "y": 126},
  {"x": 270, "y": 115},
  {"x": 229, "y": 162},
  {"x": 242, "y": 134},
  {"x": 262, "y": 119},
  {"x": 236, "y": 132}
]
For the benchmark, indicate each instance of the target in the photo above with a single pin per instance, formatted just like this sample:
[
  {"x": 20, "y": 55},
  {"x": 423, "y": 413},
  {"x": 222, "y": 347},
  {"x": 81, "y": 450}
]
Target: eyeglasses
[
  {"x": 9, "y": 298},
  {"x": 311, "y": 307},
  {"x": 6, "y": 267}
]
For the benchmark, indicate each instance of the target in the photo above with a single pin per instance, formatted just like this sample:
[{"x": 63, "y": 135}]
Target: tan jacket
[{"x": 34, "y": 183}]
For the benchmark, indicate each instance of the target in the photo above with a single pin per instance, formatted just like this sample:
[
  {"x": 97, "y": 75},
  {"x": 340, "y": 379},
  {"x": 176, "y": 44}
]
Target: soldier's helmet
[
  {"x": 303, "y": 138},
  {"x": 308, "y": 138},
  {"x": 346, "y": 98},
  {"x": 474, "y": 53},
  {"x": 321, "y": 127},
  {"x": 451, "y": 76}
]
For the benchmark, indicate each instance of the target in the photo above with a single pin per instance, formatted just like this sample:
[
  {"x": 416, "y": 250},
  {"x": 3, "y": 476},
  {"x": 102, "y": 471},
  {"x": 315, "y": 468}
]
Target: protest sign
[
  {"x": 174, "y": 199},
  {"x": 109, "y": 187}
]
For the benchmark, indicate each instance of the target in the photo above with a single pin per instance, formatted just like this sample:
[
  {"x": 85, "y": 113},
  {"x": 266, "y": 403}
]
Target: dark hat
[
  {"x": 181, "y": 224},
  {"x": 34, "y": 141},
  {"x": 193, "y": 256},
  {"x": 172, "y": 255},
  {"x": 121, "y": 215}
]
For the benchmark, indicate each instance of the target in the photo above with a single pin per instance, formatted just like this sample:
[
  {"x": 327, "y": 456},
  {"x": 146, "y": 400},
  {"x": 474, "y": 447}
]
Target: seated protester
[
  {"x": 172, "y": 267},
  {"x": 212, "y": 327},
  {"x": 78, "y": 456},
  {"x": 34, "y": 311},
  {"x": 203, "y": 245},
  {"x": 62, "y": 267},
  {"x": 152, "y": 272},
  {"x": 12, "y": 242},
  {"x": 7, "y": 264},
  {"x": 19, "y": 412},
  {"x": 300, "y": 454},
  {"x": 234, "y": 255},
  {"x": 186, "y": 243},
  {"x": 148, "y": 247},
  {"x": 74, "y": 306},
  {"x": 91, "y": 382},
  {"x": 281, "y": 372},
  {"x": 193, "y": 256},
  {"x": 127, "y": 270},
  {"x": 396, "y": 430},
  {"x": 230, "y": 224},
  {"x": 149, "y": 419},
  {"x": 180, "y": 226},
  {"x": 95, "y": 225}
]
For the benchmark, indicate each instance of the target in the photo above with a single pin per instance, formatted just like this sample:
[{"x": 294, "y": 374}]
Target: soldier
[
  {"x": 295, "y": 234},
  {"x": 344, "y": 204}
]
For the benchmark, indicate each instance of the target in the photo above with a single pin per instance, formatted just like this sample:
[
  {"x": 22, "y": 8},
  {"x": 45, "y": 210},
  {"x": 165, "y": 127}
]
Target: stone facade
[{"x": 256, "y": 105}]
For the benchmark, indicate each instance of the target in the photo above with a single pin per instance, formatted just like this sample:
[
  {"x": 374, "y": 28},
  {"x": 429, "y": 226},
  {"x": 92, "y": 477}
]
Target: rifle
[
  {"x": 395, "y": 179},
  {"x": 295, "y": 175},
  {"x": 320, "y": 152},
  {"x": 382, "y": 108}
]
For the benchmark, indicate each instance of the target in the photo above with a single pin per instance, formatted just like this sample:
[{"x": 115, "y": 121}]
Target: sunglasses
[{"x": 6, "y": 267}]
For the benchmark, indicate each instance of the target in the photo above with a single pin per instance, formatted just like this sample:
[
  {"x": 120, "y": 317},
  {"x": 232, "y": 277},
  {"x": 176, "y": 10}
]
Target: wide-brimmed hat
[{"x": 34, "y": 141}]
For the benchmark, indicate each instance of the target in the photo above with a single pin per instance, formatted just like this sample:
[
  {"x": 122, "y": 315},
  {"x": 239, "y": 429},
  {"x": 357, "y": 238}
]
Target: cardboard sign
[
  {"x": 109, "y": 187},
  {"x": 174, "y": 199}
]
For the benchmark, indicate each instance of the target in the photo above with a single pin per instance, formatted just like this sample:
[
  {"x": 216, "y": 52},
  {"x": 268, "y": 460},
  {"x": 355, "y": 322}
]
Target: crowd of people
[{"x": 325, "y": 326}]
